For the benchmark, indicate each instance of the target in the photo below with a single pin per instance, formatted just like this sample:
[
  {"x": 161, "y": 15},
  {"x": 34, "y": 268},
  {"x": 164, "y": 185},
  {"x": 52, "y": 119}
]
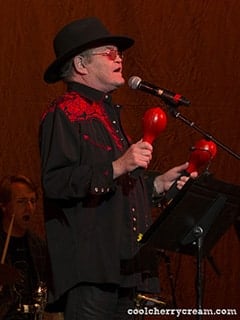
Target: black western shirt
[{"x": 92, "y": 220}]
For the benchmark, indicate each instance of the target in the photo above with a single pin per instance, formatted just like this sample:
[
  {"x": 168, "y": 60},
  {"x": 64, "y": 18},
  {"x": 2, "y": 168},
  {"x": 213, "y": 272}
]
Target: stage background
[{"x": 188, "y": 46}]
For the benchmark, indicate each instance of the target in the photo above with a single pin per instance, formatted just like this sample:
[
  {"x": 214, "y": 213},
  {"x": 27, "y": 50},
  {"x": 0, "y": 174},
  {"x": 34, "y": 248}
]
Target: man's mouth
[{"x": 117, "y": 70}]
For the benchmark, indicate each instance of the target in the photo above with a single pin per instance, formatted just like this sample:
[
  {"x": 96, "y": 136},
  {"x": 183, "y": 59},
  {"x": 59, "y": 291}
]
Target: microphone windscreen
[{"x": 134, "y": 82}]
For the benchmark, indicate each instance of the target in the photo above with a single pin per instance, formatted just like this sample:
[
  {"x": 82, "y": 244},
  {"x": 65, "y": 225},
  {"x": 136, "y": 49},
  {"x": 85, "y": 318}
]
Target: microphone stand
[{"x": 172, "y": 108}]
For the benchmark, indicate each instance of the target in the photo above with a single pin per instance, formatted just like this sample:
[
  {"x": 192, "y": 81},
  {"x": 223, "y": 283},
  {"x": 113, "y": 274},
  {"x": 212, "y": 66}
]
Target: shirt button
[
  {"x": 133, "y": 209},
  {"x": 134, "y": 228},
  {"x": 114, "y": 122},
  {"x": 134, "y": 219},
  {"x": 96, "y": 189}
]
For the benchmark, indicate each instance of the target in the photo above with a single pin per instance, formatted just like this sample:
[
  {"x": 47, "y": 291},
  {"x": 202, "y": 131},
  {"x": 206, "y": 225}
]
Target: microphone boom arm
[{"x": 176, "y": 114}]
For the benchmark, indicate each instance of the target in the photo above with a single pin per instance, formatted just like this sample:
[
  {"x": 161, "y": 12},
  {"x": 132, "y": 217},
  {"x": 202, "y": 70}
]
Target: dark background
[{"x": 188, "y": 46}]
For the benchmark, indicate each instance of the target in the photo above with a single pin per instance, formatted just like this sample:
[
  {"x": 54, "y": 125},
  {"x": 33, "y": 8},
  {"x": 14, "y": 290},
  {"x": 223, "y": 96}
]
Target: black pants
[{"x": 99, "y": 302}]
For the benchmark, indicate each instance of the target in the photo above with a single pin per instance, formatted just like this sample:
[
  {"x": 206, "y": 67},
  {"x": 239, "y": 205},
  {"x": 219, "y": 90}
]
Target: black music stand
[{"x": 194, "y": 221}]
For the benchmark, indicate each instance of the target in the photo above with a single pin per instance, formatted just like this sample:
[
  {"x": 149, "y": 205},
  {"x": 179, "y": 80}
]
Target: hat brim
[{"x": 52, "y": 73}]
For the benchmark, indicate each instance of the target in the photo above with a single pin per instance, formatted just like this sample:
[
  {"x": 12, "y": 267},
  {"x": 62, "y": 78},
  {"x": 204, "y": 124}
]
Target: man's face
[
  {"x": 105, "y": 68},
  {"x": 22, "y": 205}
]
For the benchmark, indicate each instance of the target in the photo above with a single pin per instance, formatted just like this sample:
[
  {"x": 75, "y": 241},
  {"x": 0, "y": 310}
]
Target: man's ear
[{"x": 79, "y": 64}]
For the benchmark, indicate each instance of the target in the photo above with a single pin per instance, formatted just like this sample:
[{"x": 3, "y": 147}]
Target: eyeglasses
[
  {"x": 110, "y": 53},
  {"x": 25, "y": 201}
]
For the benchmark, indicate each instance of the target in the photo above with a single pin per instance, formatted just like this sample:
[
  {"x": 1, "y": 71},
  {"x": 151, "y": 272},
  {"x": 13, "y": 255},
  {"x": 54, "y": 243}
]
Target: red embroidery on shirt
[
  {"x": 86, "y": 137},
  {"x": 78, "y": 109}
]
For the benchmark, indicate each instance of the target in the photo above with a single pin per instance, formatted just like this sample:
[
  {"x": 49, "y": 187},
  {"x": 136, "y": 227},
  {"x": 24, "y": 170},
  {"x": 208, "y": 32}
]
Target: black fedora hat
[{"x": 78, "y": 36}]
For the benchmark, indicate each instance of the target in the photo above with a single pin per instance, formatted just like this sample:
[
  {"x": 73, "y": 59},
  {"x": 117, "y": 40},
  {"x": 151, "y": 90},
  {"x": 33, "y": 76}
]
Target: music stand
[{"x": 194, "y": 221}]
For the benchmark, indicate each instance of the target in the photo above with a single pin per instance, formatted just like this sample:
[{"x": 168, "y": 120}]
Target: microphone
[{"x": 167, "y": 96}]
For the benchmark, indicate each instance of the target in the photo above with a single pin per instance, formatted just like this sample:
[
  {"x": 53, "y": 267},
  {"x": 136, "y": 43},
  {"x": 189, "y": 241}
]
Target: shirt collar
[{"x": 89, "y": 93}]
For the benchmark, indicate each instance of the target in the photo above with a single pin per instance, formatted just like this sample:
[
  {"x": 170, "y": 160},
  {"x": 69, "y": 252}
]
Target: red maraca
[
  {"x": 154, "y": 122},
  {"x": 201, "y": 154}
]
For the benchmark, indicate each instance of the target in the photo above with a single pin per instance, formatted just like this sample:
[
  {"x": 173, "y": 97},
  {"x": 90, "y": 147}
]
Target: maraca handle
[{"x": 173, "y": 190}]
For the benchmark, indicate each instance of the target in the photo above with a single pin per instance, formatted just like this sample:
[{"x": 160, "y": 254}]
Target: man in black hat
[{"x": 96, "y": 207}]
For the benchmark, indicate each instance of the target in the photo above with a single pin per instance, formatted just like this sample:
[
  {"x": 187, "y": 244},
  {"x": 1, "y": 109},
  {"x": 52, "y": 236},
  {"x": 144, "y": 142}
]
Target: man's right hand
[{"x": 137, "y": 155}]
